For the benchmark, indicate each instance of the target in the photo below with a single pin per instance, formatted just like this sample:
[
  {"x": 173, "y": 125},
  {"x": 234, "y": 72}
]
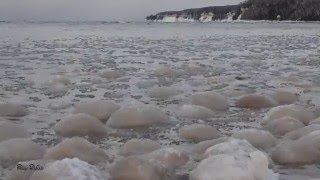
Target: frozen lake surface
[{"x": 125, "y": 62}]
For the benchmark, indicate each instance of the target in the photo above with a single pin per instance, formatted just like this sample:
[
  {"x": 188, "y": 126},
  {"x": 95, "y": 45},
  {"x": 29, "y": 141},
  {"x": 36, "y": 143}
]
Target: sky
[{"x": 95, "y": 10}]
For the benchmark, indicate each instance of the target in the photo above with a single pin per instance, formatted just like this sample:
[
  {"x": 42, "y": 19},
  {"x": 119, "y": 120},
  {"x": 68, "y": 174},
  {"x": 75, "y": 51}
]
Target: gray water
[{"x": 265, "y": 55}]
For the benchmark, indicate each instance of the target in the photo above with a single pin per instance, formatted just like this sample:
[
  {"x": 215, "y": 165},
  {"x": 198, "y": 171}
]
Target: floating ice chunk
[
  {"x": 137, "y": 167},
  {"x": 101, "y": 109},
  {"x": 168, "y": 157},
  {"x": 195, "y": 112},
  {"x": 59, "y": 79},
  {"x": 283, "y": 125},
  {"x": 59, "y": 104},
  {"x": 111, "y": 74},
  {"x": 21, "y": 101},
  {"x": 56, "y": 90},
  {"x": 13, "y": 110},
  {"x": 197, "y": 82},
  {"x": 166, "y": 72},
  {"x": 9, "y": 130},
  {"x": 285, "y": 97},
  {"x": 163, "y": 92},
  {"x": 235, "y": 159},
  {"x": 79, "y": 148},
  {"x": 137, "y": 116},
  {"x": 96, "y": 80},
  {"x": 227, "y": 167},
  {"x": 139, "y": 147},
  {"x": 69, "y": 169},
  {"x": 290, "y": 110},
  {"x": 296, "y": 134},
  {"x": 19, "y": 149},
  {"x": 201, "y": 147},
  {"x": 255, "y": 101},
  {"x": 258, "y": 138},
  {"x": 198, "y": 132},
  {"x": 145, "y": 84},
  {"x": 211, "y": 100},
  {"x": 305, "y": 150},
  {"x": 233, "y": 146},
  {"x": 80, "y": 125}
]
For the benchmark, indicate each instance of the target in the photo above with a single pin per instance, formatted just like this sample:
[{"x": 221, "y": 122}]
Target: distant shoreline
[
  {"x": 271, "y": 10},
  {"x": 155, "y": 22}
]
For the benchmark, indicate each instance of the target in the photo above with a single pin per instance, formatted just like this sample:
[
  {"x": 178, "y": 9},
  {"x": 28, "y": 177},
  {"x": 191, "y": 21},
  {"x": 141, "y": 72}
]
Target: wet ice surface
[{"x": 229, "y": 58}]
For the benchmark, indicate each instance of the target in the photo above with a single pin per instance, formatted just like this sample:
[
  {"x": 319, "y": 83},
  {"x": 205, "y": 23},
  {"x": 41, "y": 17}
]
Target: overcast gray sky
[{"x": 107, "y": 10}]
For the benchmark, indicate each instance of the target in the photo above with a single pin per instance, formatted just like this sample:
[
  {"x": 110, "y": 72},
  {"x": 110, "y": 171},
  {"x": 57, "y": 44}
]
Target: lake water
[{"x": 230, "y": 58}]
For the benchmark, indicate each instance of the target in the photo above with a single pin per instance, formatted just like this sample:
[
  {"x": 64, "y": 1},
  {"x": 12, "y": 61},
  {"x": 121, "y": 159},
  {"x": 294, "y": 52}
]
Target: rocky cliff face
[
  {"x": 295, "y": 10},
  {"x": 200, "y": 14},
  {"x": 304, "y": 10}
]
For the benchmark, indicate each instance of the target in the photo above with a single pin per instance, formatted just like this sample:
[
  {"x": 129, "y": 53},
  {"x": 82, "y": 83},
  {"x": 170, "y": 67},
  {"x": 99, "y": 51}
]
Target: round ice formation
[
  {"x": 235, "y": 159},
  {"x": 136, "y": 167},
  {"x": 201, "y": 147},
  {"x": 285, "y": 97},
  {"x": 139, "y": 147},
  {"x": 283, "y": 125},
  {"x": 255, "y": 101},
  {"x": 258, "y": 138},
  {"x": 111, "y": 74},
  {"x": 137, "y": 116},
  {"x": 227, "y": 167},
  {"x": 316, "y": 121},
  {"x": 69, "y": 169},
  {"x": 211, "y": 100},
  {"x": 80, "y": 125},
  {"x": 56, "y": 90},
  {"x": 96, "y": 80},
  {"x": 166, "y": 72},
  {"x": 101, "y": 109},
  {"x": 163, "y": 92},
  {"x": 195, "y": 112},
  {"x": 145, "y": 84},
  {"x": 19, "y": 149},
  {"x": 233, "y": 146},
  {"x": 79, "y": 148},
  {"x": 305, "y": 150},
  {"x": 296, "y": 134},
  {"x": 60, "y": 80},
  {"x": 168, "y": 157},
  {"x": 13, "y": 110},
  {"x": 198, "y": 132},
  {"x": 59, "y": 104},
  {"x": 9, "y": 130},
  {"x": 24, "y": 172},
  {"x": 292, "y": 111}
]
